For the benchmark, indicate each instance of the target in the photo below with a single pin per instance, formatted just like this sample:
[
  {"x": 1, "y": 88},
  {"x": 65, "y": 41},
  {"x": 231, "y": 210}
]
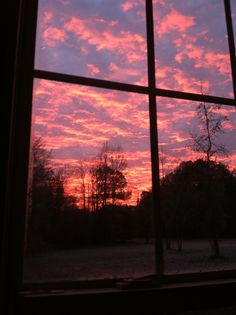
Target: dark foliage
[
  {"x": 47, "y": 200},
  {"x": 197, "y": 200},
  {"x": 144, "y": 215}
]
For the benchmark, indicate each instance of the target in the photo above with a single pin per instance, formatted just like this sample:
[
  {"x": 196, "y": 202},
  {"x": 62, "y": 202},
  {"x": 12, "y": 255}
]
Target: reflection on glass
[
  {"x": 89, "y": 214},
  {"x": 96, "y": 39},
  {"x": 198, "y": 183},
  {"x": 191, "y": 48}
]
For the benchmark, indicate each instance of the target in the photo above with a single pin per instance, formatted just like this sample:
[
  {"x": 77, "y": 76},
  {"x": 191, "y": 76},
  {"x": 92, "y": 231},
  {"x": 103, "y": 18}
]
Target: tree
[
  {"x": 47, "y": 198},
  {"x": 145, "y": 216},
  {"x": 176, "y": 206},
  {"x": 162, "y": 159},
  {"x": 194, "y": 208},
  {"x": 206, "y": 142},
  {"x": 108, "y": 180},
  {"x": 211, "y": 125},
  {"x": 82, "y": 175}
]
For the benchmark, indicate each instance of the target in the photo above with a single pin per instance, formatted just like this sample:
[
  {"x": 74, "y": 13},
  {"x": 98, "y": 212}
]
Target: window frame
[{"x": 17, "y": 168}]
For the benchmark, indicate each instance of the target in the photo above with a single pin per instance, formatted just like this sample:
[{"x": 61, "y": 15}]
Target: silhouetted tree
[
  {"x": 47, "y": 194},
  {"x": 205, "y": 141},
  {"x": 82, "y": 188},
  {"x": 193, "y": 207},
  {"x": 211, "y": 125},
  {"x": 144, "y": 216},
  {"x": 169, "y": 208},
  {"x": 113, "y": 224},
  {"x": 108, "y": 181}
]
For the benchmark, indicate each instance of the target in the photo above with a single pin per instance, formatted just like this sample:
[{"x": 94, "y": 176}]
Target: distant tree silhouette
[
  {"x": 82, "y": 174},
  {"x": 169, "y": 208},
  {"x": 108, "y": 180}
]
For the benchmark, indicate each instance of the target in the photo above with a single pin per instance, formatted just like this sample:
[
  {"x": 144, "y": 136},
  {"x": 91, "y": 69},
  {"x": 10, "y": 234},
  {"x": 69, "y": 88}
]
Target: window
[
  {"x": 199, "y": 54},
  {"x": 110, "y": 128}
]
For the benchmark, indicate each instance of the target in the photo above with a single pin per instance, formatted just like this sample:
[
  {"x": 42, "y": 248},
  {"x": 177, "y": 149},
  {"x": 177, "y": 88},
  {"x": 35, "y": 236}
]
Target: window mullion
[
  {"x": 230, "y": 34},
  {"x": 154, "y": 140}
]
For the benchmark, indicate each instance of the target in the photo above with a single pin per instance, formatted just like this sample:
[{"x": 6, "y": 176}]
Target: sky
[{"x": 106, "y": 39}]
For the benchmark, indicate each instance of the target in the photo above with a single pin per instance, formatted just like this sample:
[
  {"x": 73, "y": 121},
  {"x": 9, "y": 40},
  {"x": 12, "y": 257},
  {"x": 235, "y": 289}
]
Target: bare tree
[
  {"x": 211, "y": 125},
  {"x": 162, "y": 159},
  {"x": 82, "y": 175}
]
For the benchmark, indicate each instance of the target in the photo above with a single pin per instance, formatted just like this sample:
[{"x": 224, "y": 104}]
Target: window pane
[
  {"x": 198, "y": 185},
  {"x": 191, "y": 47},
  {"x": 90, "y": 213},
  {"x": 100, "y": 39}
]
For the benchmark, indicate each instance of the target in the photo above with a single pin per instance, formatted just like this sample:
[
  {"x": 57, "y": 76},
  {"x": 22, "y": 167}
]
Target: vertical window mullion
[
  {"x": 154, "y": 140},
  {"x": 231, "y": 42}
]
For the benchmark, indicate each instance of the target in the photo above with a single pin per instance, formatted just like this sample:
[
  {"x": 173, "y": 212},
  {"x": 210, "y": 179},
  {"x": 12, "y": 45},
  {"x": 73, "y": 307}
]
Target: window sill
[{"x": 168, "y": 297}]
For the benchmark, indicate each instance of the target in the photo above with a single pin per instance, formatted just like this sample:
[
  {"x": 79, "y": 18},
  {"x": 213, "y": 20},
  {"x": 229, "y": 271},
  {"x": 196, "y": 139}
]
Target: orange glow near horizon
[{"x": 75, "y": 121}]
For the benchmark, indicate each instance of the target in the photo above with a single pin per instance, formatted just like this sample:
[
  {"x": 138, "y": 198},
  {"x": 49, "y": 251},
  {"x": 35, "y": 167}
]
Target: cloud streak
[
  {"x": 119, "y": 46},
  {"x": 98, "y": 41},
  {"x": 75, "y": 121},
  {"x": 193, "y": 47}
]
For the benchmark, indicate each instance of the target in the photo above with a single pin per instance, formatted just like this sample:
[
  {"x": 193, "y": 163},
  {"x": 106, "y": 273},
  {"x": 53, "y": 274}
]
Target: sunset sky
[{"x": 107, "y": 40}]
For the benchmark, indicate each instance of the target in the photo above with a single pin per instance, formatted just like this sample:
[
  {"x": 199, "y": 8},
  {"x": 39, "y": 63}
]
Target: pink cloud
[
  {"x": 58, "y": 96},
  {"x": 121, "y": 73},
  {"x": 126, "y": 6},
  {"x": 202, "y": 57},
  {"x": 93, "y": 69},
  {"x": 191, "y": 51},
  {"x": 53, "y": 35},
  {"x": 78, "y": 36},
  {"x": 178, "y": 79},
  {"x": 48, "y": 17},
  {"x": 175, "y": 21},
  {"x": 220, "y": 61},
  {"x": 129, "y": 5},
  {"x": 185, "y": 82},
  {"x": 131, "y": 46},
  {"x": 162, "y": 2}
]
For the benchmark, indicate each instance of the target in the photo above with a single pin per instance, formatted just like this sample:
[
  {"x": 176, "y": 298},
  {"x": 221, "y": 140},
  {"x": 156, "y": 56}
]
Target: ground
[{"x": 134, "y": 259}]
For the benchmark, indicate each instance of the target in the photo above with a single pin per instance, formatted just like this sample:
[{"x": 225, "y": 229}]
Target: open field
[{"x": 134, "y": 259}]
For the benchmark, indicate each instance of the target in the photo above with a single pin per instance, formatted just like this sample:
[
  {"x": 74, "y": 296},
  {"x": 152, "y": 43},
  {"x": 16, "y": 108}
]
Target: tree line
[
  {"x": 57, "y": 220},
  {"x": 197, "y": 202},
  {"x": 197, "y": 198}
]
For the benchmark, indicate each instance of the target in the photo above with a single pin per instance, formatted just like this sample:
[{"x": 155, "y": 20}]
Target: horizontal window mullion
[
  {"x": 195, "y": 97},
  {"x": 59, "y": 77},
  {"x": 66, "y": 78}
]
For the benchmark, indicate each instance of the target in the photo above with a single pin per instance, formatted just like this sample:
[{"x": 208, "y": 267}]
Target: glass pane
[
  {"x": 191, "y": 47},
  {"x": 198, "y": 185},
  {"x": 89, "y": 214},
  {"x": 100, "y": 39}
]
